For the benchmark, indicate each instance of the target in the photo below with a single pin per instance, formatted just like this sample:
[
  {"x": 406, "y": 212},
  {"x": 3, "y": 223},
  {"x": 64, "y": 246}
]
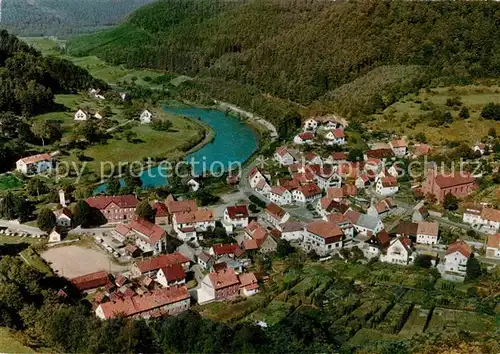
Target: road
[
  {"x": 109, "y": 130},
  {"x": 14, "y": 226}
]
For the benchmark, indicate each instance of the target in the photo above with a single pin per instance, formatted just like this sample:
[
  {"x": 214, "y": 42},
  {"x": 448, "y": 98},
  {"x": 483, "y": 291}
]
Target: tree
[
  {"x": 464, "y": 113},
  {"x": 283, "y": 248},
  {"x": 492, "y": 132},
  {"x": 450, "y": 202},
  {"x": 447, "y": 117},
  {"x": 86, "y": 216},
  {"x": 145, "y": 211},
  {"x": 46, "y": 130},
  {"x": 130, "y": 136},
  {"x": 36, "y": 186},
  {"x": 473, "y": 269},
  {"x": 423, "y": 261},
  {"x": 113, "y": 187},
  {"x": 9, "y": 206},
  {"x": 355, "y": 155},
  {"x": 491, "y": 111},
  {"x": 46, "y": 220}
]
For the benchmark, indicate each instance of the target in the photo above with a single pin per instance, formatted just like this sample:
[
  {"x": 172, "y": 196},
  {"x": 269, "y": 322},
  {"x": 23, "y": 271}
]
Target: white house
[
  {"x": 236, "y": 215},
  {"x": 205, "y": 260},
  {"x": 63, "y": 218},
  {"x": 486, "y": 219},
  {"x": 200, "y": 220},
  {"x": 427, "y": 232},
  {"x": 254, "y": 176},
  {"x": 387, "y": 186},
  {"x": 55, "y": 235},
  {"x": 399, "y": 251},
  {"x": 280, "y": 195},
  {"x": 325, "y": 178},
  {"x": 323, "y": 237},
  {"x": 304, "y": 138},
  {"x": 335, "y": 137},
  {"x": 283, "y": 156},
  {"x": 311, "y": 124},
  {"x": 276, "y": 215},
  {"x": 146, "y": 117},
  {"x": 171, "y": 275},
  {"x": 363, "y": 223},
  {"x": 362, "y": 181},
  {"x": 34, "y": 164},
  {"x": 193, "y": 184},
  {"x": 493, "y": 246},
  {"x": 82, "y": 114},
  {"x": 292, "y": 231},
  {"x": 307, "y": 193},
  {"x": 456, "y": 257},
  {"x": 343, "y": 222},
  {"x": 99, "y": 115},
  {"x": 399, "y": 147}
]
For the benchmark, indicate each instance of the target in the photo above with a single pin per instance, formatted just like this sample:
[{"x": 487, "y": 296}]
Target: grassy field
[
  {"x": 405, "y": 116},
  {"x": 9, "y": 344},
  {"x": 34, "y": 260},
  {"x": 8, "y": 181}
]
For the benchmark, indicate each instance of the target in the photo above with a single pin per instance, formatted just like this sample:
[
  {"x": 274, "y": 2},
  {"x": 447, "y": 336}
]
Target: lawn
[
  {"x": 461, "y": 320},
  {"x": 232, "y": 310},
  {"x": 415, "y": 322},
  {"x": 13, "y": 240},
  {"x": 367, "y": 335},
  {"x": 9, "y": 181},
  {"x": 9, "y": 344},
  {"x": 401, "y": 115},
  {"x": 33, "y": 259},
  {"x": 274, "y": 312}
]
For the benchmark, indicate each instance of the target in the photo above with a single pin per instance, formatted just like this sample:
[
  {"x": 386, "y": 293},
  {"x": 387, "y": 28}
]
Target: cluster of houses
[{"x": 83, "y": 114}]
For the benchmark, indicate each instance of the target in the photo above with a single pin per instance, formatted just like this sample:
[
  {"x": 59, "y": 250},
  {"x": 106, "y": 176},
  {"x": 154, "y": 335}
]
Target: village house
[
  {"x": 254, "y": 177},
  {"x": 91, "y": 281},
  {"x": 377, "y": 244},
  {"x": 335, "y": 137},
  {"x": 146, "y": 117},
  {"x": 427, "y": 232},
  {"x": 275, "y": 215},
  {"x": 327, "y": 205},
  {"x": 283, "y": 156},
  {"x": 387, "y": 186},
  {"x": 292, "y": 231},
  {"x": 225, "y": 249},
  {"x": 405, "y": 228},
  {"x": 263, "y": 187},
  {"x": 310, "y": 158},
  {"x": 193, "y": 185},
  {"x": 381, "y": 208},
  {"x": 99, "y": 115},
  {"x": 456, "y": 257},
  {"x": 399, "y": 147},
  {"x": 150, "y": 266},
  {"x": 400, "y": 251},
  {"x": 307, "y": 193},
  {"x": 149, "y": 237},
  {"x": 200, "y": 220},
  {"x": 257, "y": 238},
  {"x": 63, "y": 218},
  {"x": 170, "y": 275},
  {"x": 236, "y": 215},
  {"x": 459, "y": 184},
  {"x": 205, "y": 260},
  {"x": 158, "y": 302},
  {"x": 115, "y": 209},
  {"x": 280, "y": 195},
  {"x": 362, "y": 181},
  {"x": 421, "y": 150},
  {"x": 420, "y": 214},
  {"x": 56, "y": 235},
  {"x": 336, "y": 158},
  {"x": 481, "y": 148},
  {"x": 325, "y": 178},
  {"x": 82, "y": 114},
  {"x": 162, "y": 217},
  {"x": 493, "y": 246},
  {"x": 219, "y": 285},
  {"x": 343, "y": 222},
  {"x": 374, "y": 164},
  {"x": 311, "y": 124},
  {"x": 485, "y": 219},
  {"x": 323, "y": 237},
  {"x": 304, "y": 138},
  {"x": 34, "y": 164},
  {"x": 364, "y": 224},
  {"x": 248, "y": 284}
]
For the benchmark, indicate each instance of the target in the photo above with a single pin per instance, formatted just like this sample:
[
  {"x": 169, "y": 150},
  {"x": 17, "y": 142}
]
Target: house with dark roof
[
  {"x": 236, "y": 215},
  {"x": 162, "y": 217},
  {"x": 307, "y": 193},
  {"x": 219, "y": 285},
  {"x": 276, "y": 215},
  {"x": 225, "y": 249},
  {"x": 381, "y": 208},
  {"x": 172, "y": 274},
  {"x": 377, "y": 244},
  {"x": 292, "y": 231}
]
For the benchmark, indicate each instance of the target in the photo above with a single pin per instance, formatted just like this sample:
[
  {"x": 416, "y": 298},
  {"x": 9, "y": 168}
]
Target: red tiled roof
[
  {"x": 198, "y": 215},
  {"x": 237, "y": 211},
  {"x": 398, "y": 143},
  {"x": 278, "y": 190},
  {"x": 494, "y": 241},
  {"x": 380, "y": 153},
  {"x": 309, "y": 190},
  {"x": 226, "y": 248},
  {"x": 182, "y": 206},
  {"x": 338, "y": 133},
  {"x": 309, "y": 156},
  {"x": 158, "y": 262},
  {"x": 461, "y": 247},
  {"x": 36, "y": 158},
  {"x": 306, "y": 135},
  {"x": 122, "y": 229},
  {"x": 428, "y": 228},
  {"x": 141, "y": 303},
  {"x": 173, "y": 272},
  {"x": 122, "y": 201},
  {"x": 349, "y": 190},
  {"x": 289, "y": 183},
  {"x": 337, "y": 218},
  {"x": 490, "y": 214},
  {"x": 389, "y": 182},
  {"x": 331, "y": 232},
  {"x": 90, "y": 281},
  {"x": 422, "y": 150},
  {"x": 407, "y": 228},
  {"x": 382, "y": 238},
  {"x": 251, "y": 244},
  {"x": 338, "y": 156},
  {"x": 161, "y": 209},
  {"x": 224, "y": 278},
  {"x": 153, "y": 233},
  {"x": 282, "y": 150},
  {"x": 352, "y": 215},
  {"x": 292, "y": 226},
  {"x": 275, "y": 211},
  {"x": 121, "y": 280},
  {"x": 256, "y": 231},
  {"x": 453, "y": 180},
  {"x": 248, "y": 281}
]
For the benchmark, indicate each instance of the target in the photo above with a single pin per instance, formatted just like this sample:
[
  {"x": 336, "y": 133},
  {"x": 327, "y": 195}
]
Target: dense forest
[
  {"x": 64, "y": 17},
  {"x": 28, "y": 82},
  {"x": 305, "y": 51}
]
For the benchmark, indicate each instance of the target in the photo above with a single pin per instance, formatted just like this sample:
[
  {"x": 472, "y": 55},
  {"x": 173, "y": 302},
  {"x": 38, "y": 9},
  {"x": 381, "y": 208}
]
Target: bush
[
  {"x": 491, "y": 111},
  {"x": 253, "y": 208},
  {"x": 257, "y": 201}
]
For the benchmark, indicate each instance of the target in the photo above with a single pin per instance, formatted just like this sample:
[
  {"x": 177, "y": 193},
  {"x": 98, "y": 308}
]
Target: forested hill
[
  {"x": 303, "y": 50},
  {"x": 64, "y": 17}
]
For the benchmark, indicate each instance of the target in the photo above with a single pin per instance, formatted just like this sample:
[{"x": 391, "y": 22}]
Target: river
[{"x": 234, "y": 142}]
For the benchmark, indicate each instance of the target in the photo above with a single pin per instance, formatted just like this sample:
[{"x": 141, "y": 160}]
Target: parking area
[{"x": 72, "y": 261}]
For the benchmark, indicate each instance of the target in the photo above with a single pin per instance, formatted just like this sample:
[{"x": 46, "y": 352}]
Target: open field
[
  {"x": 72, "y": 261},
  {"x": 9, "y": 344},
  {"x": 405, "y": 116}
]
